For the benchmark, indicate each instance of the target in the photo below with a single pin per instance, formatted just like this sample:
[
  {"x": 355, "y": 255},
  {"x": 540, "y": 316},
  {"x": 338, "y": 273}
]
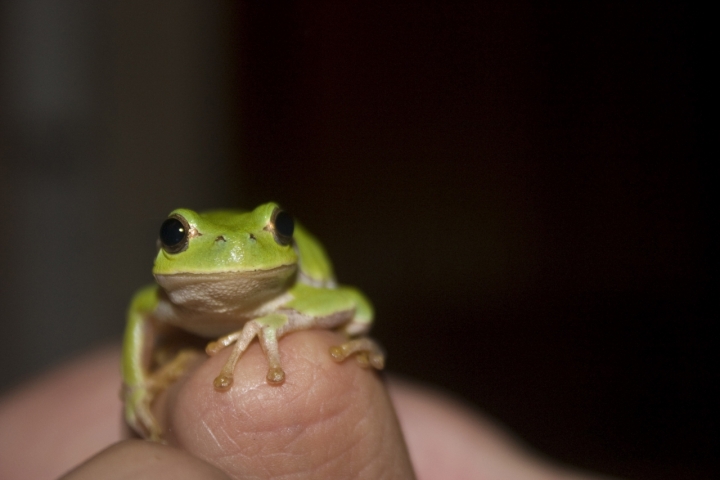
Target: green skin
[{"x": 236, "y": 280}]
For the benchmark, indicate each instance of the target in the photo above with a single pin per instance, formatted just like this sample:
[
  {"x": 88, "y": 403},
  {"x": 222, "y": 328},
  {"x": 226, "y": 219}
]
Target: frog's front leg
[
  {"x": 266, "y": 329},
  {"x": 140, "y": 384},
  {"x": 137, "y": 392}
]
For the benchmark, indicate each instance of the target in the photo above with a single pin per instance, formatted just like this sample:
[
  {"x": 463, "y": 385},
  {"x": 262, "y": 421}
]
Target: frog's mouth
[{"x": 226, "y": 291}]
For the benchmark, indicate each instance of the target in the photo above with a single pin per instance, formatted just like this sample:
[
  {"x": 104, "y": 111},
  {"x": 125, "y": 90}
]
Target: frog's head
[{"x": 225, "y": 260}]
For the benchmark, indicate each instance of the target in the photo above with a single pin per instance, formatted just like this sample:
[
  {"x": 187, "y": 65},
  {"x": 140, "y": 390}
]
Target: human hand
[{"x": 327, "y": 421}]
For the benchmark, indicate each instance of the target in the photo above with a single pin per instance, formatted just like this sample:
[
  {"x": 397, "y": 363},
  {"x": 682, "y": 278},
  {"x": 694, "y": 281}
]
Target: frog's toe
[
  {"x": 212, "y": 348},
  {"x": 374, "y": 360},
  {"x": 367, "y": 352},
  {"x": 223, "y": 382},
  {"x": 275, "y": 376},
  {"x": 362, "y": 359},
  {"x": 338, "y": 353},
  {"x": 377, "y": 360}
]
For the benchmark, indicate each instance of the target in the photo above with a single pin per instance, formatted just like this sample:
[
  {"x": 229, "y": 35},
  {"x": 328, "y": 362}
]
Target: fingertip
[{"x": 326, "y": 419}]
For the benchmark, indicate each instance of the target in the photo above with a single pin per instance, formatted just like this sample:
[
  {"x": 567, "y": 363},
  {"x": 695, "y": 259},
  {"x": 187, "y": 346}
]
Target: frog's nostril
[
  {"x": 220, "y": 238},
  {"x": 252, "y": 237}
]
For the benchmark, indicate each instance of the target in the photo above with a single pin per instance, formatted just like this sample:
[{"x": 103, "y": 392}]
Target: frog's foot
[
  {"x": 242, "y": 339},
  {"x": 368, "y": 353},
  {"x": 265, "y": 328}
]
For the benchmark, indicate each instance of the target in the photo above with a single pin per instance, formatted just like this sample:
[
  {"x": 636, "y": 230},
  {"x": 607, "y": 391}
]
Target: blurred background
[{"x": 519, "y": 187}]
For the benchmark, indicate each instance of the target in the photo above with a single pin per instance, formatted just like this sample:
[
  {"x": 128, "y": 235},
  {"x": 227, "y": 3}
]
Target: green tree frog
[{"x": 233, "y": 276}]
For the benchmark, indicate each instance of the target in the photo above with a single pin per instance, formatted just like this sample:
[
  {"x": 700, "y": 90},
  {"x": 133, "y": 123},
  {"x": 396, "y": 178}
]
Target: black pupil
[
  {"x": 284, "y": 224},
  {"x": 172, "y": 232}
]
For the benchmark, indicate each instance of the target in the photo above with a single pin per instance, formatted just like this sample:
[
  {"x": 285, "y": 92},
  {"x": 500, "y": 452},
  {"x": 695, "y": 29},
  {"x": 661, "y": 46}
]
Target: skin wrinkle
[
  {"x": 209, "y": 411},
  {"x": 209, "y": 431},
  {"x": 360, "y": 428},
  {"x": 361, "y": 433},
  {"x": 327, "y": 414},
  {"x": 229, "y": 463},
  {"x": 306, "y": 472},
  {"x": 294, "y": 433},
  {"x": 206, "y": 411},
  {"x": 346, "y": 455},
  {"x": 300, "y": 399},
  {"x": 309, "y": 402},
  {"x": 329, "y": 463},
  {"x": 325, "y": 424},
  {"x": 299, "y": 434},
  {"x": 236, "y": 410},
  {"x": 309, "y": 430},
  {"x": 331, "y": 454},
  {"x": 368, "y": 467},
  {"x": 376, "y": 447},
  {"x": 299, "y": 468},
  {"x": 266, "y": 449},
  {"x": 298, "y": 437},
  {"x": 239, "y": 414},
  {"x": 247, "y": 417},
  {"x": 230, "y": 438}
]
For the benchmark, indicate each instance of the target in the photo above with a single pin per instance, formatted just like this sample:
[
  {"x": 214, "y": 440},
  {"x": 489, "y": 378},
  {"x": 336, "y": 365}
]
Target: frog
[{"x": 231, "y": 276}]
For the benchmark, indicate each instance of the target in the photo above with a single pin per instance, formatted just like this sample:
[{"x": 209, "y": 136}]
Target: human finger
[
  {"x": 327, "y": 420},
  {"x": 59, "y": 419},
  {"x": 142, "y": 460},
  {"x": 447, "y": 439}
]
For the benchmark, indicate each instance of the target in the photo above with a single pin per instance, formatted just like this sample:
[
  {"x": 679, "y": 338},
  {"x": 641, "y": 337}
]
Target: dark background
[{"x": 521, "y": 189}]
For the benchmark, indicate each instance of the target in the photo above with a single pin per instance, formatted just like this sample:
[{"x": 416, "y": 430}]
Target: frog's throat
[{"x": 226, "y": 291}]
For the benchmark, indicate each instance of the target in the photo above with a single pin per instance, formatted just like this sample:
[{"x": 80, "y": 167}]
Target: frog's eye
[
  {"x": 174, "y": 234},
  {"x": 283, "y": 226}
]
